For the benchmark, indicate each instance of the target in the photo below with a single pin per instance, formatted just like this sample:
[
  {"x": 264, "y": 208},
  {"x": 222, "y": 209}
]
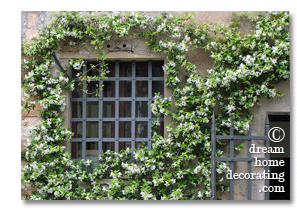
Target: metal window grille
[
  {"x": 231, "y": 137},
  {"x": 120, "y": 117}
]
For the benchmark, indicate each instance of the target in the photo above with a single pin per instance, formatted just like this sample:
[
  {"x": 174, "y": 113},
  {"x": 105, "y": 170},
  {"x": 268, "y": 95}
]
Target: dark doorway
[{"x": 282, "y": 121}]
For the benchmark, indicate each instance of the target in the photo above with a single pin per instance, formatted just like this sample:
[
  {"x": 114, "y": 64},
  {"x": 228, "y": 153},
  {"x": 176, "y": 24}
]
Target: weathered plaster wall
[{"x": 33, "y": 20}]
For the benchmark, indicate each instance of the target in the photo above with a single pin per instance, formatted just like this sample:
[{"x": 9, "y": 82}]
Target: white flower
[
  {"x": 207, "y": 193},
  {"x": 78, "y": 65}
]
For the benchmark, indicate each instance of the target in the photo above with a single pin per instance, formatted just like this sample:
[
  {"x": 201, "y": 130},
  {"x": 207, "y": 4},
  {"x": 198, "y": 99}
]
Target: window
[{"x": 120, "y": 117}]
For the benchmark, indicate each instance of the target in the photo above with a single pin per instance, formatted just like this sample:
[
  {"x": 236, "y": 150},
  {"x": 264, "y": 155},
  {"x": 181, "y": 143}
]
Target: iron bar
[
  {"x": 231, "y": 146},
  {"x": 267, "y": 155},
  {"x": 249, "y": 164},
  {"x": 213, "y": 158}
]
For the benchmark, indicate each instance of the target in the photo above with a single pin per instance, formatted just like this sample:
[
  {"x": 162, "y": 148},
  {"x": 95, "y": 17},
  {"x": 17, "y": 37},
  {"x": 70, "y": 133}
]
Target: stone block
[{"x": 32, "y": 17}]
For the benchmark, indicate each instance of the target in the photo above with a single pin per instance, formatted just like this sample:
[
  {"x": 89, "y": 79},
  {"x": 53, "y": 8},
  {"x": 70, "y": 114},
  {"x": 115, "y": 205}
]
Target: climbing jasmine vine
[{"x": 246, "y": 68}]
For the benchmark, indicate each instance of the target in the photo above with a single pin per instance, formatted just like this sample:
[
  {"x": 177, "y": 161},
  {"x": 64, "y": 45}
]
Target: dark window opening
[{"x": 120, "y": 117}]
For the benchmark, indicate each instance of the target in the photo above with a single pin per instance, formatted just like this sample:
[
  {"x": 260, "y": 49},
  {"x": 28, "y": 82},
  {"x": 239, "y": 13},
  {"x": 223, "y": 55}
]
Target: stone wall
[{"x": 32, "y": 21}]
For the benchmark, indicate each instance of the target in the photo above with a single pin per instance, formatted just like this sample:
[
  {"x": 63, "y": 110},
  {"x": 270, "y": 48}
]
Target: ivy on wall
[{"x": 246, "y": 68}]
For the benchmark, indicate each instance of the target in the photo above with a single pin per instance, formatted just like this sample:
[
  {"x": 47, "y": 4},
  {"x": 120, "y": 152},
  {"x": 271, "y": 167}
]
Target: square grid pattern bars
[{"x": 120, "y": 117}]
